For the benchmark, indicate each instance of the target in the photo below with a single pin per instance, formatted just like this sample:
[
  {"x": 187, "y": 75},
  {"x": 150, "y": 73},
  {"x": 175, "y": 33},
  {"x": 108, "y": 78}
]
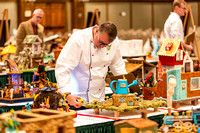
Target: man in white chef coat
[{"x": 86, "y": 57}]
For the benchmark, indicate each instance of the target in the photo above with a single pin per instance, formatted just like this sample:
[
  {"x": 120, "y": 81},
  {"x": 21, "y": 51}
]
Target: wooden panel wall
[
  {"x": 140, "y": 15},
  {"x": 139, "y": 19},
  {"x": 54, "y": 13}
]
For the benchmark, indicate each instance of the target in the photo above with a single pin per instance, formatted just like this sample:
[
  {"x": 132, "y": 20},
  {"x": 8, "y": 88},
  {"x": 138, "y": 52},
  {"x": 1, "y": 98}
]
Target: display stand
[
  {"x": 186, "y": 24},
  {"x": 5, "y": 16},
  {"x": 95, "y": 18}
]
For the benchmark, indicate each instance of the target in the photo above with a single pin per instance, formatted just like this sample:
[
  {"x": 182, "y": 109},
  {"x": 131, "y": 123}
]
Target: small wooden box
[
  {"x": 56, "y": 53},
  {"x": 118, "y": 99},
  {"x": 43, "y": 120}
]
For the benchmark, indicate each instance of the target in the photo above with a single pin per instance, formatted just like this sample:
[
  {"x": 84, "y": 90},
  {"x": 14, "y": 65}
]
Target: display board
[
  {"x": 93, "y": 18},
  {"x": 187, "y": 20},
  {"x": 4, "y": 28}
]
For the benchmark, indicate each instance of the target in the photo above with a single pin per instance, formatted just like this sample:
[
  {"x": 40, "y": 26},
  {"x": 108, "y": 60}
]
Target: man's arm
[
  {"x": 21, "y": 34},
  {"x": 67, "y": 61},
  {"x": 118, "y": 66},
  {"x": 176, "y": 33},
  {"x": 41, "y": 34}
]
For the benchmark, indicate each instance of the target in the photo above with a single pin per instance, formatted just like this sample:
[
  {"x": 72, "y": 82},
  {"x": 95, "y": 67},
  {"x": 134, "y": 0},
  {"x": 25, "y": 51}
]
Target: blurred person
[{"x": 30, "y": 27}]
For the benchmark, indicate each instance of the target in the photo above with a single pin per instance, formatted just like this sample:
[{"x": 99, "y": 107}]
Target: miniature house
[
  {"x": 187, "y": 63},
  {"x": 171, "y": 52},
  {"x": 140, "y": 68},
  {"x": 33, "y": 41},
  {"x": 187, "y": 86},
  {"x": 35, "y": 53},
  {"x": 14, "y": 79},
  {"x": 137, "y": 125},
  {"x": 13, "y": 91},
  {"x": 43, "y": 121}
]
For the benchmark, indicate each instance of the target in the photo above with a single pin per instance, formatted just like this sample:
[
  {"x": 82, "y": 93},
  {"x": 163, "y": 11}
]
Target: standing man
[
  {"x": 30, "y": 27},
  {"x": 173, "y": 27},
  {"x": 86, "y": 56}
]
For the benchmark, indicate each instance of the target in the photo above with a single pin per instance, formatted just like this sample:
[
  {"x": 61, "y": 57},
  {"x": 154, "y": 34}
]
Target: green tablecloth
[
  {"x": 97, "y": 128},
  {"x": 27, "y": 76},
  {"x": 4, "y": 109}
]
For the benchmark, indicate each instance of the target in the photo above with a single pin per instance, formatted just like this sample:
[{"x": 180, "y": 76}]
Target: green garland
[{"x": 144, "y": 104}]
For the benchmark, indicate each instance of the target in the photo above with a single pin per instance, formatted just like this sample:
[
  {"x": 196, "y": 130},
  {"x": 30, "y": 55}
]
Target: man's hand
[
  {"x": 73, "y": 101},
  {"x": 188, "y": 47}
]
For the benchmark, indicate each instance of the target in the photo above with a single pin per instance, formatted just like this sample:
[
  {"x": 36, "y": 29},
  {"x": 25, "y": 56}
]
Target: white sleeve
[
  {"x": 117, "y": 65},
  {"x": 67, "y": 61}
]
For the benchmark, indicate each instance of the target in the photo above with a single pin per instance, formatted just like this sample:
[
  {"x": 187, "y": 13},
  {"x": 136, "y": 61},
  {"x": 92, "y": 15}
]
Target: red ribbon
[{"x": 97, "y": 116}]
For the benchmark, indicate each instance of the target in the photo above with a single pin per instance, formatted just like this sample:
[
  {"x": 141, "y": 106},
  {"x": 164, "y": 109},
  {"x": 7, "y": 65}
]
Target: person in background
[
  {"x": 30, "y": 27},
  {"x": 173, "y": 27},
  {"x": 86, "y": 57}
]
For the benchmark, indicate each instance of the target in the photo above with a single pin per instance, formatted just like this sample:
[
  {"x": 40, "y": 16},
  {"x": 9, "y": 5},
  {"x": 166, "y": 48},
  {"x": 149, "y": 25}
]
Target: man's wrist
[{"x": 67, "y": 94}]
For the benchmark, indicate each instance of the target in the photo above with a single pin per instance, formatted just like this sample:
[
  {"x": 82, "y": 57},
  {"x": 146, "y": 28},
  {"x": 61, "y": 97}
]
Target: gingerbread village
[
  {"x": 174, "y": 87},
  {"x": 179, "y": 83}
]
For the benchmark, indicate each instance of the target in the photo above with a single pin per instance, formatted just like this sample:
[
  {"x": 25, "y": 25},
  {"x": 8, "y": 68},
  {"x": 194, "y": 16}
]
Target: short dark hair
[
  {"x": 110, "y": 29},
  {"x": 178, "y": 3}
]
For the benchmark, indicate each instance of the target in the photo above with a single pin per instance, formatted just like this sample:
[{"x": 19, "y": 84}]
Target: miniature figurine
[
  {"x": 170, "y": 91},
  {"x": 11, "y": 93},
  {"x": 39, "y": 76},
  {"x": 7, "y": 92},
  {"x": 2, "y": 93}
]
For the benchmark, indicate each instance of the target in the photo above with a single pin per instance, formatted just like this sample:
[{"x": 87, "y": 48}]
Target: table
[
  {"x": 87, "y": 122},
  {"x": 135, "y": 56}
]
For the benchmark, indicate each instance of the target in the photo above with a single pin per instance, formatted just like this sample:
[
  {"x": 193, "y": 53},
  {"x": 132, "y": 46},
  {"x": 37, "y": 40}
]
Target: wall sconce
[
  {"x": 123, "y": 13},
  {"x": 80, "y": 15}
]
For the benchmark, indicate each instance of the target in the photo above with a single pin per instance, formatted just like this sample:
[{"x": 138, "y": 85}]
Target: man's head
[
  {"x": 37, "y": 16},
  {"x": 105, "y": 34},
  {"x": 179, "y": 7}
]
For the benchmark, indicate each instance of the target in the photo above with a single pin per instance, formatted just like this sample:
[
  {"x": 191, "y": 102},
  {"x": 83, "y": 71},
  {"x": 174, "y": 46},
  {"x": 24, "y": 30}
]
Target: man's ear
[
  {"x": 96, "y": 29},
  {"x": 176, "y": 7}
]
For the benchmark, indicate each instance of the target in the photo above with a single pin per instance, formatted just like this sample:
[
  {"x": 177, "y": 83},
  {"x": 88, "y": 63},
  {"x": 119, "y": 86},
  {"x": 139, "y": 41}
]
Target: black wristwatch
[{"x": 67, "y": 94}]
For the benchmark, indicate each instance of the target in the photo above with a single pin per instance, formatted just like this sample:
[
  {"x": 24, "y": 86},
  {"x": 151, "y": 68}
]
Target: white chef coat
[
  {"x": 88, "y": 65},
  {"x": 173, "y": 27}
]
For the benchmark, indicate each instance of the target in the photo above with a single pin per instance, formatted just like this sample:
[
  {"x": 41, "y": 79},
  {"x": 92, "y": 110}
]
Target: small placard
[
  {"x": 27, "y": 13},
  {"x": 122, "y": 85}
]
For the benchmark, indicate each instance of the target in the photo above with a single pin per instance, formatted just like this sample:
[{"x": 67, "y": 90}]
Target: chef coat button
[
  {"x": 90, "y": 79},
  {"x": 104, "y": 65},
  {"x": 92, "y": 54},
  {"x": 90, "y": 67},
  {"x": 99, "y": 89},
  {"x": 103, "y": 77},
  {"x": 88, "y": 90},
  {"x": 107, "y": 53}
]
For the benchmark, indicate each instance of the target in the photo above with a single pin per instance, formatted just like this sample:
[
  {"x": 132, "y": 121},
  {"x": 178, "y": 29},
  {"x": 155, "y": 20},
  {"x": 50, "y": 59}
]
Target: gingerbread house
[
  {"x": 171, "y": 52},
  {"x": 187, "y": 87},
  {"x": 140, "y": 68},
  {"x": 137, "y": 125},
  {"x": 33, "y": 41}
]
